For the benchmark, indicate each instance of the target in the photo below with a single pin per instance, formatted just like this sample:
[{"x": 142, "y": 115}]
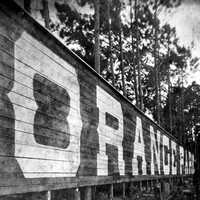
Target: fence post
[
  {"x": 88, "y": 193},
  {"x": 111, "y": 192},
  {"x": 124, "y": 190}
]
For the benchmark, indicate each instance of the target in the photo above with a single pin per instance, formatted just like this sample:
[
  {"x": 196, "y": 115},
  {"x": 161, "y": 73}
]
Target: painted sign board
[{"x": 61, "y": 125}]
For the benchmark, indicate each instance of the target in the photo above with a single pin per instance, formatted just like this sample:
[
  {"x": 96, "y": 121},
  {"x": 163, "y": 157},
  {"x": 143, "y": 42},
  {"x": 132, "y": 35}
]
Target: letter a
[{"x": 138, "y": 150}]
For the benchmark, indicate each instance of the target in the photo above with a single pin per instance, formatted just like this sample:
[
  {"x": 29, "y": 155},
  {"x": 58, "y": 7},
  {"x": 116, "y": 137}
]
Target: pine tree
[
  {"x": 133, "y": 55},
  {"x": 96, "y": 33},
  {"x": 110, "y": 41},
  {"x": 156, "y": 64}
]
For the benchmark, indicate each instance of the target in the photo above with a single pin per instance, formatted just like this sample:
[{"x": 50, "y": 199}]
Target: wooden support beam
[
  {"x": 94, "y": 192},
  {"x": 124, "y": 190},
  {"x": 165, "y": 189},
  {"x": 77, "y": 195},
  {"x": 147, "y": 186},
  {"x": 88, "y": 193},
  {"x": 111, "y": 192},
  {"x": 131, "y": 188},
  {"x": 171, "y": 183},
  {"x": 140, "y": 185},
  {"x": 150, "y": 185},
  {"x": 48, "y": 195},
  {"x": 70, "y": 194}
]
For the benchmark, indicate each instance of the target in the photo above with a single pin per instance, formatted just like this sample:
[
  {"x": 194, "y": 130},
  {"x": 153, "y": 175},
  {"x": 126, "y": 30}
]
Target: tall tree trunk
[
  {"x": 110, "y": 42},
  {"x": 182, "y": 111},
  {"x": 138, "y": 57},
  {"x": 46, "y": 13},
  {"x": 170, "y": 101},
  {"x": 156, "y": 65},
  {"x": 121, "y": 57},
  {"x": 133, "y": 60},
  {"x": 169, "y": 86},
  {"x": 97, "y": 41}
]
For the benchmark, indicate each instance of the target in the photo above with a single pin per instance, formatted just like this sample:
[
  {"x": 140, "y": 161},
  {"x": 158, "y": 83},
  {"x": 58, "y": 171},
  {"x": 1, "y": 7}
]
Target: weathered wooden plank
[
  {"x": 59, "y": 119},
  {"x": 23, "y": 77}
]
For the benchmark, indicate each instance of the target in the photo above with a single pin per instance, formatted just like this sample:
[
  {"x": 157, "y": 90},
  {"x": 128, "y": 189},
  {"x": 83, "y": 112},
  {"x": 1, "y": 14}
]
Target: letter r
[{"x": 110, "y": 131}]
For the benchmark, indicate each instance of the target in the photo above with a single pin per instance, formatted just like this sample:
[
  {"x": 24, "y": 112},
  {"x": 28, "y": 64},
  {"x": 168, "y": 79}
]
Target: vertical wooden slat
[
  {"x": 140, "y": 185},
  {"x": 77, "y": 195},
  {"x": 88, "y": 193},
  {"x": 124, "y": 190},
  {"x": 111, "y": 192}
]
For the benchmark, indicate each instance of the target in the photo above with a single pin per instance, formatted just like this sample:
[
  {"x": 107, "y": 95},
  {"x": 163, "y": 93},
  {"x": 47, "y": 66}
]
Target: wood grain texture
[{"x": 63, "y": 126}]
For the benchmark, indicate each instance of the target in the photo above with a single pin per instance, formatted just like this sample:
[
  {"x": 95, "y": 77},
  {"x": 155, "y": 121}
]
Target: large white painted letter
[
  {"x": 155, "y": 150},
  {"x": 181, "y": 150},
  {"x": 191, "y": 163},
  {"x": 36, "y": 159},
  {"x": 138, "y": 149},
  {"x": 110, "y": 130},
  {"x": 166, "y": 155},
  {"x": 174, "y": 160},
  {"x": 186, "y": 161}
]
